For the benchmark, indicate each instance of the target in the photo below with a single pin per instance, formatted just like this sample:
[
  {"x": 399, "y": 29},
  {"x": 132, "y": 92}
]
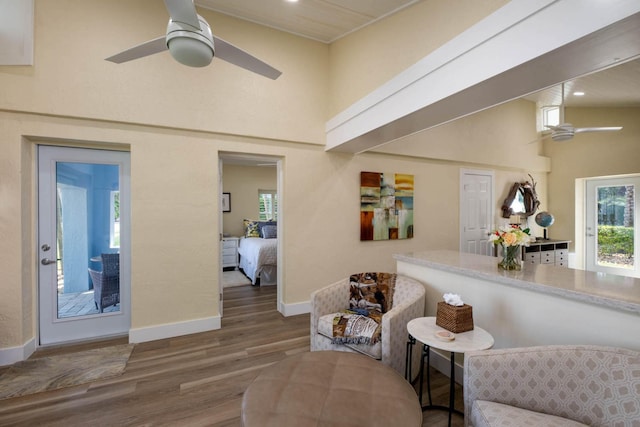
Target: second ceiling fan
[{"x": 566, "y": 131}]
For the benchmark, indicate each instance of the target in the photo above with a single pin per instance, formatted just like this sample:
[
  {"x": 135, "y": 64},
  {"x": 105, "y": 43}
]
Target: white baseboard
[
  {"x": 295, "y": 309},
  {"x": 169, "y": 330},
  {"x": 11, "y": 355}
]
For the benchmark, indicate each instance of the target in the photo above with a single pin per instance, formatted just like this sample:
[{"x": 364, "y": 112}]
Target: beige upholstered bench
[{"x": 330, "y": 388}]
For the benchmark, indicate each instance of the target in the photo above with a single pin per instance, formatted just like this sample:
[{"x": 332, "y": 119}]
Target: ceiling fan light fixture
[
  {"x": 562, "y": 135},
  {"x": 190, "y": 51},
  {"x": 189, "y": 45}
]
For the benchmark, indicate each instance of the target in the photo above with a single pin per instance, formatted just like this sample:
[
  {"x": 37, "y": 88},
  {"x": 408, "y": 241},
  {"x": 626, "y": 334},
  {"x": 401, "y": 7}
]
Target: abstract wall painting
[{"x": 386, "y": 206}]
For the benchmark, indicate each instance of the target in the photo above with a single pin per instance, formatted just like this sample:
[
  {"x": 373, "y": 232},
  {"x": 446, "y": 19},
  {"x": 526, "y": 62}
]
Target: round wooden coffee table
[{"x": 330, "y": 388}]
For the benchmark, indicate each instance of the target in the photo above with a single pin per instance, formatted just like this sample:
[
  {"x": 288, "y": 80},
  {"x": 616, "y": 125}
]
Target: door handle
[{"x": 47, "y": 261}]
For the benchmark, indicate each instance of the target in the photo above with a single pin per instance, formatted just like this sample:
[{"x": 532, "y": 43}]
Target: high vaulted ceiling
[
  {"x": 328, "y": 20},
  {"x": 322, "y": 20},
  {"x": 617, "y": 86}
]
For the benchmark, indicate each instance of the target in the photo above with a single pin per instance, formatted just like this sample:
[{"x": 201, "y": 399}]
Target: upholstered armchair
[
  {"x": 408, "y": 304},
  {"x": 552, "y": 386}
]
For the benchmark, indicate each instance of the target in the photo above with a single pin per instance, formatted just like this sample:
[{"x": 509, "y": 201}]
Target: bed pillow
[
  {"x": 262, "y": 224},
  {"x": 269, "y": 232},
  {"x": 250, "y": 228}
]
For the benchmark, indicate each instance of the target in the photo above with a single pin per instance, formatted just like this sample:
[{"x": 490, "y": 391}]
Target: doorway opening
[{"x": 251, "y": 224}]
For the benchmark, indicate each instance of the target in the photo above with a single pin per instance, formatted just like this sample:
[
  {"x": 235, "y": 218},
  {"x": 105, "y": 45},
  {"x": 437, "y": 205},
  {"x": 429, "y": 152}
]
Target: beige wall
[
  {"x": 71, "y": 78},
  {"x": 176, "y": 121},
  {"x": 501, "y": 135},
  {"x": 174, "y": 216},
  {"x": 589, "y": 155},
  {"x": 243, "y": 182}
]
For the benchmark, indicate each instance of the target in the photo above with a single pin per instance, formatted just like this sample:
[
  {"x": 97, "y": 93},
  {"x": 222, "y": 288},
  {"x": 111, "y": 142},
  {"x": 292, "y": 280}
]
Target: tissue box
[{"x": 454, "y": 319}]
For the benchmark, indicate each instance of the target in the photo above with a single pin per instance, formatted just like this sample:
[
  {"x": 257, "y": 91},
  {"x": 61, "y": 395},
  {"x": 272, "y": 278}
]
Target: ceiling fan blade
[
  {"x": 236, "y": 56},
  {"x": 599, "y": 129},
  {"x": 183, "y": 11},
  {"x": 145, "y": 49}
]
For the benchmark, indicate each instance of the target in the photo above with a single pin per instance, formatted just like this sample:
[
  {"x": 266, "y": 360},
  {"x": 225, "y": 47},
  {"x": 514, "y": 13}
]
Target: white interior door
[
  {"x": 83, "y": 212},
  {"x": 612, "y": 239},
  {"x": 220, "y": 227},
  {"x": 476, "y": 211}
]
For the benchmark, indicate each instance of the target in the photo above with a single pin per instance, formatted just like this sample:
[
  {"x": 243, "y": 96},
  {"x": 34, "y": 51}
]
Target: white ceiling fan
[
  {"x": 190, "y": 42},
  {"x": 566, "y": 131}
]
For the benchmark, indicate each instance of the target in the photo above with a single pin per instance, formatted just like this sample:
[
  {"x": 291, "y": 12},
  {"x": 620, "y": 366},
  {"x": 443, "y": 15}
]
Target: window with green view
[{"x": 268, "y": 205}]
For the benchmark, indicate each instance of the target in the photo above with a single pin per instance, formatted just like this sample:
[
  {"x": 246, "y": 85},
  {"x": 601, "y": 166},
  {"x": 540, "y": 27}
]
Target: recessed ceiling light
[
  {"x": 292, "y": 1},
  {"x": 578, "y": 93}
]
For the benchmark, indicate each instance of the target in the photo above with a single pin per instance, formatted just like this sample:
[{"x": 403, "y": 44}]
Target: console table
[{"x": 555, "y": 252}]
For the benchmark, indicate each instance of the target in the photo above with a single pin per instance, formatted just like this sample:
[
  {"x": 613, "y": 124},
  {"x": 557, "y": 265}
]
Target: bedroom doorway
[{"x": 245, "y": 179}]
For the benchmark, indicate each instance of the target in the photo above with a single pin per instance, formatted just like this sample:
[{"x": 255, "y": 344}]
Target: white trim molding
[
  {"x": 12, "y": 355},
  {"x": 170, "y": 330},
  {"x": 295, "y": 309}
]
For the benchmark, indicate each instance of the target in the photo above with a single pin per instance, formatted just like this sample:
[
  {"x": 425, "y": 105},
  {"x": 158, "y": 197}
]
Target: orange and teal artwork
[{"x": 386, "y": 206}]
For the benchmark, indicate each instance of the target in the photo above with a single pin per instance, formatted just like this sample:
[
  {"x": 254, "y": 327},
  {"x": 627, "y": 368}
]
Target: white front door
[
  {"x": 83, "y": 212},
  {"x": 612, "y": 239},
  {"x": 476, "y": 211}
]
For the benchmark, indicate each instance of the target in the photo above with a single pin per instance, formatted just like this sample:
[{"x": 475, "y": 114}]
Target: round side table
[{"x": 424, "y": 329}]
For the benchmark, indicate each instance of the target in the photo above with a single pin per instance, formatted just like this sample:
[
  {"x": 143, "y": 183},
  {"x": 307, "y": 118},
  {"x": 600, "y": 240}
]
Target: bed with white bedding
[{"x": 258, "y": 259}]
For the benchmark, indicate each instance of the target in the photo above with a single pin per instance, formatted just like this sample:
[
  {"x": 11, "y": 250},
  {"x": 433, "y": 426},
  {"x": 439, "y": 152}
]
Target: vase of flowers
[{"x": 511, "y": 238}]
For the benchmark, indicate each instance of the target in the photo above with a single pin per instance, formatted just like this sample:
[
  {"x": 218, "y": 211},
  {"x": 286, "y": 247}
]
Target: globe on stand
[{"x": 545, "y": 219}]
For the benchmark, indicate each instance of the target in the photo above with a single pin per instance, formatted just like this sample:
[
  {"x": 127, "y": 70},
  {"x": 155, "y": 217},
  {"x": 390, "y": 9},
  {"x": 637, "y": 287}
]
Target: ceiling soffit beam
[{"x": 398, "y": 108}]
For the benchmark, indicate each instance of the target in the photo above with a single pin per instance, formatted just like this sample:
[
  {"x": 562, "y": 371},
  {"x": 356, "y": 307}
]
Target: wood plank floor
[{"x": 195, "y": 380}]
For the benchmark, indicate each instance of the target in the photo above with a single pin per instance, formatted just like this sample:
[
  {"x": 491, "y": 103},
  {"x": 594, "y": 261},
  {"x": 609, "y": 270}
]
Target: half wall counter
[{"x": 539, "y": 305}]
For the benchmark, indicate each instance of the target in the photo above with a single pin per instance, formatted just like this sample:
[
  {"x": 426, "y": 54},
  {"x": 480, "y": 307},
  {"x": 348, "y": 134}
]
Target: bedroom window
[{"x": 268, "y": 204}]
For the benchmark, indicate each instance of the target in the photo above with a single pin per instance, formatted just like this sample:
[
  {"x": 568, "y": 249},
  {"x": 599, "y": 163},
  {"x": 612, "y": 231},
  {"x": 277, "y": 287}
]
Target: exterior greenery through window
[
  {"x": 615, "y": 225},
  {"x": 268, "y": 202}
]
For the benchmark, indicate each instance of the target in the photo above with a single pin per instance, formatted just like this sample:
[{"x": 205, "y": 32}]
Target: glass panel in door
[
  {"x": 612, "y": 238},
  {"x": 87, "y": 226},
  {"x": 615, "y": 228}
]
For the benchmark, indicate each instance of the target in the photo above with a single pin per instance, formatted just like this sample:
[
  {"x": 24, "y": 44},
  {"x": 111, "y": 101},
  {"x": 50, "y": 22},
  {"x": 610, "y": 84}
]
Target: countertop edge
[{"x": 505, "y": 278}]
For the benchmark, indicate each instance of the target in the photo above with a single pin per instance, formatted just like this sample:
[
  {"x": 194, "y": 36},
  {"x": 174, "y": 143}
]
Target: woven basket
[{"x": 454, "y": 319}]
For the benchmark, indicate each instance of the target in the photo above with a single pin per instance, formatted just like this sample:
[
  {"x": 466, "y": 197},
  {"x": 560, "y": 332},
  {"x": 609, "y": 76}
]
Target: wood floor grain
[{"x": 195, "y": 380}]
